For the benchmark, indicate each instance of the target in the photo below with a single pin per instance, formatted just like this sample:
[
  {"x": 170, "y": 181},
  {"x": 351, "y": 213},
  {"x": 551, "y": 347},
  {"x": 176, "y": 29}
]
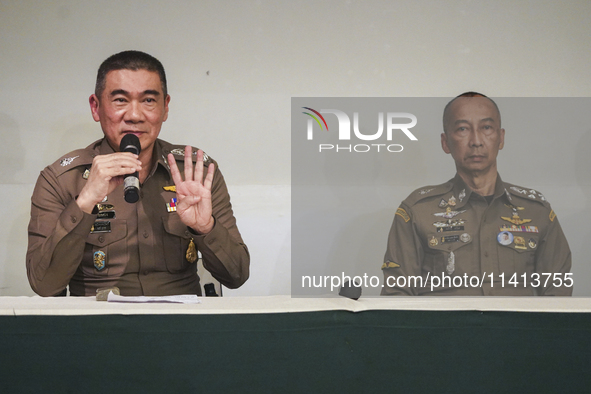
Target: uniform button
[
  {"x": 187, "y": 233},
  {"x": 74, "y": 219},
  {"x": 145, "y": 234},
  {"x": 145, "y": 272},
  {"x": 101, "y": 239},
  {"x": 485, "y": 254}
]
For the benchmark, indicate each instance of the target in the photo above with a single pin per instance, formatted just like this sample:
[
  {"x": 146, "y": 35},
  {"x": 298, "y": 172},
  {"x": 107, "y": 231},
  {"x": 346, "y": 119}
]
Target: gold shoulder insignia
[
  {"x": 402, "y": 213},
  {"x": 390, "y": 264},
  {"x": 552, "y": 215}
]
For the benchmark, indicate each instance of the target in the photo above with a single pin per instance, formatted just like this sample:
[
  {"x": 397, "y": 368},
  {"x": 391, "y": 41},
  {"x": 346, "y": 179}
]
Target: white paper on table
[{"x": 178, "y": 299}]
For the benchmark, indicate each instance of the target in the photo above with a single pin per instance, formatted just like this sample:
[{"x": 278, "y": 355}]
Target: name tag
[
  {"x": 101, "y": 227},
  {"x": 106, "y": 215},
  {"x": 450, "y": 228},
  {"x": 450, "y": 238}
]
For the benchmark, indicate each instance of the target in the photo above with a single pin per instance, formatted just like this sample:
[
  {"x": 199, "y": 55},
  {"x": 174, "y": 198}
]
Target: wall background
[{"x": 232, "y": 68}]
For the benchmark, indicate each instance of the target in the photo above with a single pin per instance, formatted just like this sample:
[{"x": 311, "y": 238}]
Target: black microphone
[{"x": 131, "y": 183}]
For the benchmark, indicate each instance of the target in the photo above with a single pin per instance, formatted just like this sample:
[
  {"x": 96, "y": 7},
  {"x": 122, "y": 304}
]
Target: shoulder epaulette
[
  {"x": 74, "y": 159},
  {"x": 178, "y": 151},
  {"x": 426, "y": 192},
  {"x": 525, "y": 193}
]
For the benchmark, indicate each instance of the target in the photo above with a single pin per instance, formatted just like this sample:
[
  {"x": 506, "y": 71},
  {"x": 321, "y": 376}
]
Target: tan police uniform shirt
[
  {"x": 449, "y": 236},
  {"x": 140, "y": 248}
]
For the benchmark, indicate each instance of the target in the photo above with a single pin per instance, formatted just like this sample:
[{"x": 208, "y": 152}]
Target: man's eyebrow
[
  {"x": 487, "y": 120},
  {"x": 118, "y": 91},
  {"x": 466, "y": 121},
  {"x": 152, "y": 92},
  {"x": 126, "y": 93}
]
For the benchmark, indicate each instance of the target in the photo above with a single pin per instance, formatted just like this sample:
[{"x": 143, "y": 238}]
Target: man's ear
[
  {"x": 166, "y": 101},
  {"x": 502, "y": 139},
  {"x": 444, "y": 143},
  {"x": 94, "y": 106}
]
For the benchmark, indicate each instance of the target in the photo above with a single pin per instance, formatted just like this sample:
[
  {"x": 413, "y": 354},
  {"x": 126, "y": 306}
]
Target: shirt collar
[{"x": 463, "y": 191}]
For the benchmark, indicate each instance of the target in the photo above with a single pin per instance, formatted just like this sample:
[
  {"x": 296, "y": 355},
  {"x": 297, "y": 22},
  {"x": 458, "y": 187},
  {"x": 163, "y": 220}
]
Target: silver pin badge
[
  {"x": 67, "y": 161},
  {"x": 451, "y": 263}
]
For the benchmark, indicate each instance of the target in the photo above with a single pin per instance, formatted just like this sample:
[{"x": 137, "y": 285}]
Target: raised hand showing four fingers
[{"x": 194, "y": 192}]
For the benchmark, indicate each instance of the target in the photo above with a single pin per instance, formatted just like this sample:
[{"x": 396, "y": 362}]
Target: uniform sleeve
[
  {"x": 553, "y": 256},
  {"x": 403, "y": 256},
  {"x": 224, "y": 253},
  {"x": 57, "y": 232}
]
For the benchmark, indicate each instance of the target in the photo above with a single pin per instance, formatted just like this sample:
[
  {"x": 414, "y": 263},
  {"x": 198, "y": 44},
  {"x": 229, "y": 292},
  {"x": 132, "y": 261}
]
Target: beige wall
[{"x": 232, "y": 68}]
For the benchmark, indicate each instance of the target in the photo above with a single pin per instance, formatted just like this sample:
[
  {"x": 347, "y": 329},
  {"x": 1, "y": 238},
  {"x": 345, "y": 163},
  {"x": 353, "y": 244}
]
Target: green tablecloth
[{"x": 301, "y": 352}]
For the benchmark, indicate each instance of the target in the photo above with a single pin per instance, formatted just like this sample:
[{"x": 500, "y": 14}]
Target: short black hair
[
  {"x": 468, "y": 94},
  {"x": 129, "y": 60}
]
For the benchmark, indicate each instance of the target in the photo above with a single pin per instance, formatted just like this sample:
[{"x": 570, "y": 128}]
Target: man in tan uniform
[
  {"x": 84, "y": 235},
  {"x": 476, "y": 234}
]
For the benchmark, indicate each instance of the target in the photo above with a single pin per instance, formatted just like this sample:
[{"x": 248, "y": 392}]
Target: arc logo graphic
[{"x": 344, "y": 130}]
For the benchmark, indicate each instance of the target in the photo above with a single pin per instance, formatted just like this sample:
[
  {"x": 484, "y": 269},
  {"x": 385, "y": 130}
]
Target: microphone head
[
  {"x": 132, "y": 195},
  {"x": 130, "y": 143}
]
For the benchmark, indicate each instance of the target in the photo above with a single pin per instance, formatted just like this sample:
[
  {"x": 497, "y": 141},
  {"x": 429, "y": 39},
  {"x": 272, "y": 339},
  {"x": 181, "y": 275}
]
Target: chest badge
[
  {"x": 451, "y": 202},
  {"x": 171, "y": 206},
  {"x": 505, "y": 238},
  {"x": 448, "y": 214},
  {"x": 170, "y": 188},
  {"x": 462, "y": 195},
  {"x": 99, "y": 258},
  {"x": 104, "y": 207},
  {"x": 191, "y": 254},
  {"x": 520, "y": 243},
  {"x": 515, "y": 219},
  {"x": 451, "y": 263}
]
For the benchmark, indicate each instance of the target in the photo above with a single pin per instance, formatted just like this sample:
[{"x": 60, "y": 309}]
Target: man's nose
[
  {"x": 134, "y": 113},
  {"x": 475, "y": 138}
]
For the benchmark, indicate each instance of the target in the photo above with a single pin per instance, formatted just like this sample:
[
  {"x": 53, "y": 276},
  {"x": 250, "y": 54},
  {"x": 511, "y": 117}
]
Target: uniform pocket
[
  {"x": 175, "y": 243},
  {"x": 439, "y": 258},
  {"x": 106, "y": 253},
  {"x": 518, "y": 256}
]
